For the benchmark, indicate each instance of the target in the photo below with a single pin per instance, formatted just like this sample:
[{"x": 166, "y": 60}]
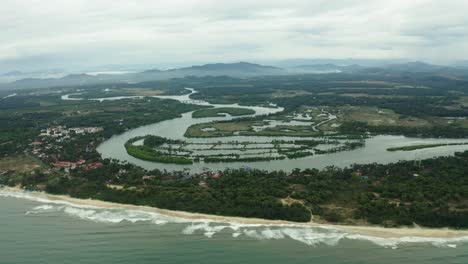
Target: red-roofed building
[{"x": 94, "y": 165}]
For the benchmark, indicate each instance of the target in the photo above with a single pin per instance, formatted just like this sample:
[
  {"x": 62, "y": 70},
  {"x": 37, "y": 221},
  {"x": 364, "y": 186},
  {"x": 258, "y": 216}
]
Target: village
[
  {"x": 62, "y": 132},
  {"x": 66, "y": 151},
  {"x": 50, "y": 144}
]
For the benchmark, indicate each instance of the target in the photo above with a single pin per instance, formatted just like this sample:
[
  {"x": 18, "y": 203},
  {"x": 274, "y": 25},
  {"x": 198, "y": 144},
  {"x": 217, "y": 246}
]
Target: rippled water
[{"x": 42, "y": 231}]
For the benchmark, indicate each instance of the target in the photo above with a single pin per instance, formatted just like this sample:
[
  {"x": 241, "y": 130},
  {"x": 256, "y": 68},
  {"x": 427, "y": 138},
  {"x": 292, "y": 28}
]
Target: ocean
[{"x": 41, "y": 231}]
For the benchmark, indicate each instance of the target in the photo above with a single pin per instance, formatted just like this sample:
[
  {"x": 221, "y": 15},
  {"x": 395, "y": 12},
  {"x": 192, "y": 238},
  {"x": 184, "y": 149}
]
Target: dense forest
[{"x": 430, "y": 193}]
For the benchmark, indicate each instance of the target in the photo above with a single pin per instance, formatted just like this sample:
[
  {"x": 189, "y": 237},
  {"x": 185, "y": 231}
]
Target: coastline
[{"x": 373, "y": 231}]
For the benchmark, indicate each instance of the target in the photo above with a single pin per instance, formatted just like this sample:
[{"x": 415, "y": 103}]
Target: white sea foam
[
  {"x": 104, "y": 215},
  {"x": 394, "y": 242},
  {"x": 44, "y": 207},
  {"x": 35, "y": 198},
  {"x": 312, "y": 236},
  {"x": 10, "y": 95},
  {"x": 89, "y": 212}
]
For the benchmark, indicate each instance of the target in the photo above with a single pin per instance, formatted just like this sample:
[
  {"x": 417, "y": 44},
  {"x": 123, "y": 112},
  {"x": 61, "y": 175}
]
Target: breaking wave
[{"x": 320, "y": 235}]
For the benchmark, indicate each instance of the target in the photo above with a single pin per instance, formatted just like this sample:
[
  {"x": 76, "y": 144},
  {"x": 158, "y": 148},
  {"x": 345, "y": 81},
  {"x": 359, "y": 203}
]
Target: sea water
[{"x": 36, "y": 230}]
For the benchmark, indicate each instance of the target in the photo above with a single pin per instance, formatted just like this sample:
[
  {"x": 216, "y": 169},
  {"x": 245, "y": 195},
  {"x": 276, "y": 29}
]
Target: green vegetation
[
  {"x": 424, "y": 146},
  {"x": 164, "y": 150},
  {"x": 155, "y": 141},
  {"x": 414, "y": 105},
  {"x": 149, "y": 154},
  {"x": 429, "y": 193},
  {"x": 213, "y": 159},
  {"x": 215, "y": 112},
  {"x": 219, "y": 129},
  {"x": 245, "y": 127},
  {"x": 20, "y": 164}
]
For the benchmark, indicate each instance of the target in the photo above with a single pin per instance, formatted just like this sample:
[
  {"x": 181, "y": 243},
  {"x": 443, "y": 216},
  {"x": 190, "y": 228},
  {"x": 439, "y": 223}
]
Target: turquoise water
[{"x": 45, "y": 232}]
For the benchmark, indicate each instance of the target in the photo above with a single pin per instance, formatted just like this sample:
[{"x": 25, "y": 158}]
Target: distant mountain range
[
  {"x": 238, "y": 70},
  {"x": 18, "y": 75}
]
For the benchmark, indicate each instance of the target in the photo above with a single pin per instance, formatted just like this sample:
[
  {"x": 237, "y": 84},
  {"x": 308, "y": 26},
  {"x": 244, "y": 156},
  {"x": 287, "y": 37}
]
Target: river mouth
[{"x": 374, "y": 151}]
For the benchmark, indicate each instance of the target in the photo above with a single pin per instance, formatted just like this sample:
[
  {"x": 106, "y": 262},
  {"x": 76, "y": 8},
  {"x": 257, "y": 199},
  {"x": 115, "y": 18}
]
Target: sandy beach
[{"x": 374, "y": 231}]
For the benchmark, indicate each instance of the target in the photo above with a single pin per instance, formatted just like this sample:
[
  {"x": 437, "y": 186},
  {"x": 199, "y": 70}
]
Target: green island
[
  {"x": 247, "y": 128},
  {"x": 148, "y": 152},
  {"x": 164, "y": 150},
  {"x": 424, "y": 146},
  {"x": 221, "y": 111}
]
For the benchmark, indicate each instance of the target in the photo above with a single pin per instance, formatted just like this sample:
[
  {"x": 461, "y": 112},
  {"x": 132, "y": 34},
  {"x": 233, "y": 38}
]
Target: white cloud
[{"x": 83, "y": 32}]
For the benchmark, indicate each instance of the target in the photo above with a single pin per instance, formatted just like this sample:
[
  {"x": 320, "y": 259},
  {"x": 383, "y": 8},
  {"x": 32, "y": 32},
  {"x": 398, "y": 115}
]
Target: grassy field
[
  {"x": 19, "y": 164},
  {"x": 216, "y": 112},
  {"x": 288, "y": 93},
  {"x": 284, "y": 130},
  {"x": 220, "y": 129},
  {"x": 313, "y": 115},
  {"x": 374, "y": 116}
]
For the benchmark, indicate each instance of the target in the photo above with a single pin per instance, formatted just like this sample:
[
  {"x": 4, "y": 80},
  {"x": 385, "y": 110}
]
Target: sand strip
[{"x": 374, "y": 231}]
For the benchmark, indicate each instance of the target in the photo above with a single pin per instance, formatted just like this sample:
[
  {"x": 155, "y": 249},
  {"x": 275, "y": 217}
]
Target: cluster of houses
[
  {"x": 39, "y": 148},
  {"x": 47, "y": 145},
  {"x": 62, "y": 131}
]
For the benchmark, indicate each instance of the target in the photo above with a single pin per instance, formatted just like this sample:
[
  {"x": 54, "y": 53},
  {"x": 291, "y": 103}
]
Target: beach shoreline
[{"x": 369, "y": 230}]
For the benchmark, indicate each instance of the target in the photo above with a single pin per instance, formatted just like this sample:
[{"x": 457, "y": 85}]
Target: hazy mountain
[
  {"x": 416, "y": 66},
  {"x": 324, "y": 68},
  {"x": 338, "y": 62},
  {"x": 461, "y": 64},
  {"x": 237, "y": 70},
  {"x": 12, "y": 76},
  {"x": 420, "y": 68},
  {"x": 12, "y": 73},
  {"x": 241, "y": 69}
]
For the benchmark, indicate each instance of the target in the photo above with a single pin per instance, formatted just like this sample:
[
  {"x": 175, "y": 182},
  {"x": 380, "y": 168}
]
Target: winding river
[{"x": 375, "y": 150}]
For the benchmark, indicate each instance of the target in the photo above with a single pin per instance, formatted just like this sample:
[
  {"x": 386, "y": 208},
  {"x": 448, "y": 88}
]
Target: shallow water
[{"x": 42, "y": 231}]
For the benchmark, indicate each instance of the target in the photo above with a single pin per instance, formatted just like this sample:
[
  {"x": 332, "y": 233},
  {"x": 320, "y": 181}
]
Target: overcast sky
[{"x": 41, "y": 34}]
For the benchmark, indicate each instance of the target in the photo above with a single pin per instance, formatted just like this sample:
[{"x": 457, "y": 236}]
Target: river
[{"x": 375, "y": 149}]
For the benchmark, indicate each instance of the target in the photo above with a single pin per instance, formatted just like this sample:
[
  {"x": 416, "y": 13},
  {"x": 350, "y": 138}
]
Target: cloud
[{"x": 87, "y": 33}]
